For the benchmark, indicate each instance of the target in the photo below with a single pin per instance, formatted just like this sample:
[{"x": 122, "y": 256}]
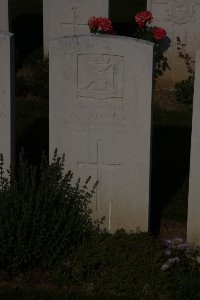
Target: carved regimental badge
[
  {"x": 100, "y": 76},
  {"x": 180, "y": 11}
]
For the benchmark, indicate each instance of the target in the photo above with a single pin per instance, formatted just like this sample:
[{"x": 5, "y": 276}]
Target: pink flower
[
  {"x": 100, "y": 25},
  {"x": 159, "y": 33},
  {"x": 144, "y": 17}
]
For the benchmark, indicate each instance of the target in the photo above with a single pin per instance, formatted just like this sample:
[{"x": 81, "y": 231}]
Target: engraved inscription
[
  {"x": 180, "y": 11},
  {"x": 100, "y": 76},
  {"x": 85, "y": 118}
]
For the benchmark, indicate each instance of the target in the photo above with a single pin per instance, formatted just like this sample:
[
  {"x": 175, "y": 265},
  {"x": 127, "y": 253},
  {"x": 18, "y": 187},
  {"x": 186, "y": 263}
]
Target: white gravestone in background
[
  {"x": 179, "y": 18},
  {"x": 4, "y": 15},
  {"x": 69, "y": 17},
  {"x": 100, "y": 117},
  {"x": 193, "y": 224},
  {"x": 7, "y": 97}
]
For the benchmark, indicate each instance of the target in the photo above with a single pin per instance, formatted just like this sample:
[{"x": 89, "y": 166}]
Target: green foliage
[
  {"x": 42, "y": 215},
  {"x": 161, "y": 61},
  {"x": 121, "y": 264},
  {"x": 184, "y": 89}
]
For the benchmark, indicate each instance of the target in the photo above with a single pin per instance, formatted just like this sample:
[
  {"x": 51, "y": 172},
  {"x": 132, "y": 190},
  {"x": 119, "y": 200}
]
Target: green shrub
[{"x": 42, "y": 215}]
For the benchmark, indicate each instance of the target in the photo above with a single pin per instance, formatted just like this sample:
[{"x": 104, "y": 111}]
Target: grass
[
  {"x": 34, "y": 294},
  {"x": 119, "y": 266},
  {"x": 46, "y": 294}
]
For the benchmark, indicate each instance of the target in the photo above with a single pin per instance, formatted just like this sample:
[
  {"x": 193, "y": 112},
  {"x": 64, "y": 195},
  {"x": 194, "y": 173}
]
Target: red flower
[
  {"x": 93, "y": 23},
  {"x": 159, "y": 33},
  {"x": 101, "y": 25},
  {"x": 105, "y": 25},
  {"x": 144, "y": 17}
]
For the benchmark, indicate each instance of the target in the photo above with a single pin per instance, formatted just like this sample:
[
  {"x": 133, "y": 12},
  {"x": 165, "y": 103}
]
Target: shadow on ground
[{"x": 170, "y": 167}]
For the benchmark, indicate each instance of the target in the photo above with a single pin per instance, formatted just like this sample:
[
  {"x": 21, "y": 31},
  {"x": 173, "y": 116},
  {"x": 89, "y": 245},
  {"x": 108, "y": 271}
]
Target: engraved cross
[
  {"x": 72, "y": 23},
  {"x": 74, "y": 14},
  {"x": 98, "y": 165}
]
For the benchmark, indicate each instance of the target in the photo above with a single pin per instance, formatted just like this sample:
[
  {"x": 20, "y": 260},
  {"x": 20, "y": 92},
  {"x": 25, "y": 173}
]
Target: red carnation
[
  {"x": 159, "y": 33},
  {"x": 144, "y": 17},
  {"x": 100, "y": 25},
  {"x": 105, "y": 25},
  {"x": 93, "y": 24}
]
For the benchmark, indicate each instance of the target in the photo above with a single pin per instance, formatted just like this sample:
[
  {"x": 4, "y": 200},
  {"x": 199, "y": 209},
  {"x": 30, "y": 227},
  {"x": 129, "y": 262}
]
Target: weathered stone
[
  {"x": 7, "y": 97},
  {"x": 100, "y": 117},
  {"x": 69, "y": 17},
  {"x": 4, "y": 15},
  {"x": 193, "y": 224}
]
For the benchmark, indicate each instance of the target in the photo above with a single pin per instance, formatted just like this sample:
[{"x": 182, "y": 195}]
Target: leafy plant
[
  {"x": 184, "y": 89},
  {"x": 42, "y": 215}
]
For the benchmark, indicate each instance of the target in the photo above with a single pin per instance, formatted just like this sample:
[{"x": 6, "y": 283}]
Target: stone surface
[
  {"x": 7, "y": 97},
  {"x": 100, "y": 117},
  {"x": 69, "y": 17},
  {"x": 4, "y": 15},
  {"x": 193, "y": 224},
  {"x": 179, "y": 18}
]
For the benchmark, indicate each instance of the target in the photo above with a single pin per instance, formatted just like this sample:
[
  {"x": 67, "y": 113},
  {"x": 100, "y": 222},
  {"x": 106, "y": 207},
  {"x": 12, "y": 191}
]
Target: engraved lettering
[{"x": 85, "y": 118}]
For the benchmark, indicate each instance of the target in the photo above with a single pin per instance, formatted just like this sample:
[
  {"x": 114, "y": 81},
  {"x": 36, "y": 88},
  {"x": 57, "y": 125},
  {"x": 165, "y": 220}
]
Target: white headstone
[
  {"x": 4, "y": 15},
  {"x": 69, "y": 17},
  {"x": 100, "y": 117},
  {"x": 193, "y": 225},
  {"x": 7, "y": 97},
  {"x": 180, "y": 18}
]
